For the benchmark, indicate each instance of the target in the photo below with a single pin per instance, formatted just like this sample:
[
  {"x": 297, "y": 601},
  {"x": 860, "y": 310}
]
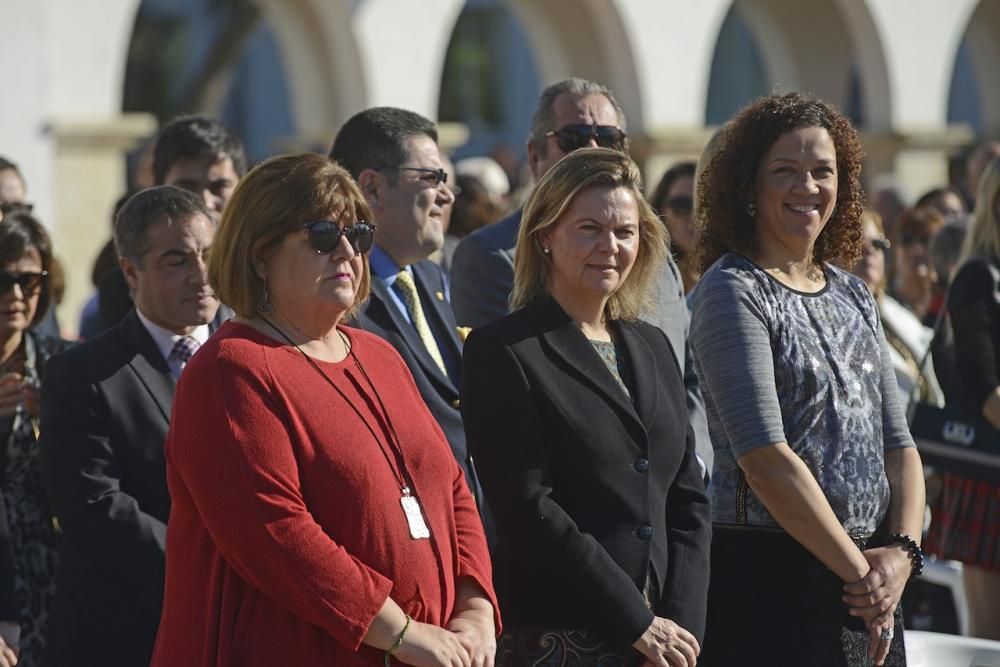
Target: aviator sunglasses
[
  {"x": 28, "y": 280},
  {"x": 571, "y": 137},
  {"x": 324, "y": 235}
]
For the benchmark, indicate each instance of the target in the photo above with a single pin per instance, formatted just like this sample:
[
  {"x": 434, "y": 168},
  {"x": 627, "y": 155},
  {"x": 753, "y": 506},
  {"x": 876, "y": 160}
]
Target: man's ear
[
  {"x": 372, "y": 185},
  {"x": 130, "y": 270},
  {"x": 534, "y": 158}
]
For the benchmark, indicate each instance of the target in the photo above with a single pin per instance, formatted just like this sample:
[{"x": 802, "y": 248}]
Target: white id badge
[{"x": 415, "y": 518}]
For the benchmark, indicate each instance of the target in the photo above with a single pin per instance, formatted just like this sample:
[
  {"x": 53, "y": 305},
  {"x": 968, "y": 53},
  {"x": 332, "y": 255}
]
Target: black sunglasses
[
  {"x": 29, "y": 281},
  {"x": 681, "y": 204},
  {"x": 571, "y": 137},
  {"x": 440, "y": 175},
  {"x": 881, "y": 244},
  {"x": 324, "y": 235},
  {"x": 15, "y": 207}
]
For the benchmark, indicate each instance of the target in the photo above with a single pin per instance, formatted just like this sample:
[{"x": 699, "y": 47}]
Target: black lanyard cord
[{"x": 399, "y": 469}]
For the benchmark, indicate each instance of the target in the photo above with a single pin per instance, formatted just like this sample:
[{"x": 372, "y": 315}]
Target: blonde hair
[
  {"x": 983, "y": 237},
  {"x": 275, "y": 199},
  {"x": 578, "y": 171}
]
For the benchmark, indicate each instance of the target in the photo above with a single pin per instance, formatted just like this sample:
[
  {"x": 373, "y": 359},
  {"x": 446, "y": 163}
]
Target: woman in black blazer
[{"x": 575, "y": 413}]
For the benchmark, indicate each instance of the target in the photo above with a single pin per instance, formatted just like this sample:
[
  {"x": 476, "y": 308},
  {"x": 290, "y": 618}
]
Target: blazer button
[
  {"x": 641, "y": 465},
  {"x": 645, "y": 532},
  {"x": 456, "y": 403}
]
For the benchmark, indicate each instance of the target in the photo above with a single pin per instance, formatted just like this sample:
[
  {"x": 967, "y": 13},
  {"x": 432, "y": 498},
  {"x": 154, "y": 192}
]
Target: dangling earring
[
  {"x": 751, "y": 209},
  {"x": 265, "y": 307}
]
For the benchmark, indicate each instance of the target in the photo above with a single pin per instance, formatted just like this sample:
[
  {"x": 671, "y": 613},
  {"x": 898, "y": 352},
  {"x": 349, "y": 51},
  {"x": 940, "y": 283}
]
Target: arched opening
[
  {"x": 737, "y": 74},
  {"x": 974, "y": 93},
  {"x": 769, "y": 46},
  {"x": 217, "y": 57},
  {"x": 490, "y": 81}
]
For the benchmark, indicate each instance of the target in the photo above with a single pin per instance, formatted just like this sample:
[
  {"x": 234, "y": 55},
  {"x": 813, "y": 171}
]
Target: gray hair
[
  {"x": 544, "y": 117},
  {"x": 145, "y": 209}
]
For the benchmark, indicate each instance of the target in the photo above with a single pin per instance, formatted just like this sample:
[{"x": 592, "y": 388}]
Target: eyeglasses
[
  {"x": 571, "y": 137},
  {"x": 7, "y": 207},
  {"x": 681, "y": 204},
  {"x": 29, "y": 281},
  {"x": 440, "y": 175},
  {"x": 324, "y": 235},
  {"x": 881, "y": 244}
]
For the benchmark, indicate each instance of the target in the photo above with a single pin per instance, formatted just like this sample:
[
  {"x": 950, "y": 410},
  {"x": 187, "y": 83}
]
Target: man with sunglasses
[
  {"x": 105, "y": 413},
  {"x": 571, "y": 114},
  {"x": 393, "y": 155}
]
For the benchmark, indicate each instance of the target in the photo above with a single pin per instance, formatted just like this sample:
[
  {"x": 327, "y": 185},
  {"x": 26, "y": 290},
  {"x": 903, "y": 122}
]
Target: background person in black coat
[
  {"x": 105, "y": 413},
  {"x": 576, "y": 414}
]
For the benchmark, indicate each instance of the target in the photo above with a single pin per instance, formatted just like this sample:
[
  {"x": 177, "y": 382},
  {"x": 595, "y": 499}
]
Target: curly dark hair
[{"x": 727, "y": 184}]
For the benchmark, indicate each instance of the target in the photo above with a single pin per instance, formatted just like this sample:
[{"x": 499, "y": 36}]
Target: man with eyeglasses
[
  {"x": 571, "y": 114},
  {"x": 393, "y": 155}
]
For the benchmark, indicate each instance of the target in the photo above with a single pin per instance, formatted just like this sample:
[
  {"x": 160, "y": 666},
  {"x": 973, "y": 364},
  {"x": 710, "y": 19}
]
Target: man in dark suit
[
  {"x": 574, "y": 113},
  {"x": 393, "y": 155},
  {"x": 105, "y": 413}
]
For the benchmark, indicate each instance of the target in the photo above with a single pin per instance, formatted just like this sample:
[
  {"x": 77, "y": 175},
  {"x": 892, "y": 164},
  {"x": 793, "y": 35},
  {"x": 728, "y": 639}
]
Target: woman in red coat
[{"x": 318, "y": 515}]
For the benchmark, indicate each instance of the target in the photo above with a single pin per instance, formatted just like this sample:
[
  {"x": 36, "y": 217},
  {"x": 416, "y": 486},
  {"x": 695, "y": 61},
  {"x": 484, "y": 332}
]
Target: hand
[
  {"x": 8, "y": 655},
  {"x": 427, "y": 645},
  {"x": 874, "y": 597},
  {"x": 878, "y": 648},
  {"x": 12, "y": 393},
  {"x": 478, "y": 636},
  {"x": 666, "y": 644}
]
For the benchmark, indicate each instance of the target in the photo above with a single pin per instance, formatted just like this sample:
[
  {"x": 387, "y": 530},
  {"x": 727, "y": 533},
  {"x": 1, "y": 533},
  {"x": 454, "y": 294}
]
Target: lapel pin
[{"x": 440, "y": 295}]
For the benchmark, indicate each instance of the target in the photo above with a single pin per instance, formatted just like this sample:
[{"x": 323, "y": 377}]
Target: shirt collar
[
  {"x": 165, "y": 338},
  {"x": 384, "y": 266}
]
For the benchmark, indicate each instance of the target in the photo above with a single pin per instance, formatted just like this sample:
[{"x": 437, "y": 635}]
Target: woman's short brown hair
[
  {"x": 726, "y": 187},
  {"x": 578, "y": 171},
  {"x": 273, "y": 200}
]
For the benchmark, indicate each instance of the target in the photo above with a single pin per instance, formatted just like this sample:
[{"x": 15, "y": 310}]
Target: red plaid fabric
[{"x": 965, "y": 522}]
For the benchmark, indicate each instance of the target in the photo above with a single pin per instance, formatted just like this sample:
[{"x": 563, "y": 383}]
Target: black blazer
[
  {"x": 105, "y": 412},
  {"x": 587, "y": 489},
  {"x": 380, "y": 316}
]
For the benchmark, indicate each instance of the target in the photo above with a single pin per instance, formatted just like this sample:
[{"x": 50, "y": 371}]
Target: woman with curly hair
[{"x": 817, "y": 487}]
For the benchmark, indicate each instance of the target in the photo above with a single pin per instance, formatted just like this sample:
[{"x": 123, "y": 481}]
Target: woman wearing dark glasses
[
  {"x": 27, "y": 533},
  {"x": 318, "y": 515},
  {"x": 673, "y": 200}
]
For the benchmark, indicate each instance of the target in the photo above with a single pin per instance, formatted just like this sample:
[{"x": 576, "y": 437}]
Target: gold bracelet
[{"x": 399, "y": 640}]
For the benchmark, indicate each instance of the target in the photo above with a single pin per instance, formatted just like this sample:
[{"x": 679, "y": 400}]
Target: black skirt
[{"x": 771, "y": 602}]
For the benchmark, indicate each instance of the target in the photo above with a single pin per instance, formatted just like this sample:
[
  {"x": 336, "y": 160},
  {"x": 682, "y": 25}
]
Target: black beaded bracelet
[{"x": 913, "y": 551}]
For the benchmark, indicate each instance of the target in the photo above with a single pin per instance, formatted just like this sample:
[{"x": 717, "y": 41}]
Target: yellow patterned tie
[{"x": 404, "y": 281}]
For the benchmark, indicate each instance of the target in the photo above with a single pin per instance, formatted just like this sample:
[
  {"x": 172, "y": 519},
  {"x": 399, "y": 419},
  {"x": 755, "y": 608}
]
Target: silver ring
[{"x": 887, "y": 634}]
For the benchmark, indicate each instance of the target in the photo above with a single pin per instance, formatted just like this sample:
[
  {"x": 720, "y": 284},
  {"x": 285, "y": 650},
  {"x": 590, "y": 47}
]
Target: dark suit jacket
[
  {"x": 105, "y": 412},
  {"x": 588, "y": 489},
  {"x": 482, "y": 272},
  {"x": 482, "y": 277},
  {"x": 381, "y": 317}
]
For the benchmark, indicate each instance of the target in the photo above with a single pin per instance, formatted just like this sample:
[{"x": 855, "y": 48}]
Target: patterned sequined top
[
  {"x": 812, "y": 370},
  {"x": 609, "y": 355}
]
